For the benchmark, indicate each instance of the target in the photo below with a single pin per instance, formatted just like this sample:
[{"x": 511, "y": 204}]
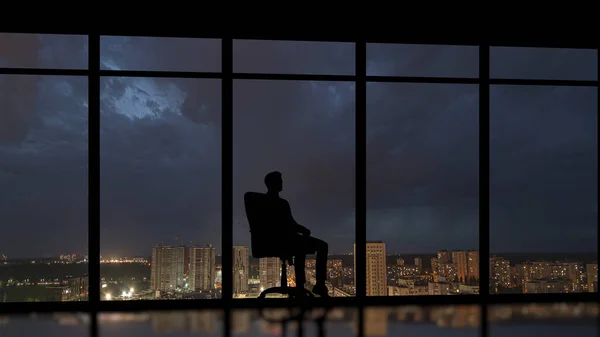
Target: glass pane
[
  {"x": 293, "y": 57},
  {"x": 44, "y": 184},
  {"x": 544, "y": 63},
  {"x": 176, "y": 323},
  {"x": 47, "y": 325},
  {"x": 160, "y": 54},
  {"x": 43, "y": 51},
  {"x": 422, "y": 189},
  {"x": 451, "y": 321},
  {"x": 422, "y": 60},
  {"x": 305, "y": 131},
  {"x": 552, "y": 320},
  {"x": 160, "y": 174},
  {"x": 543, "y": 189}
]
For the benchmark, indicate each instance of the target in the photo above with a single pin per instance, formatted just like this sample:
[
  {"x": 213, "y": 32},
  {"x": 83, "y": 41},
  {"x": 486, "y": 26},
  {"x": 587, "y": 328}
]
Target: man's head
[{"x": 274, "y": 182}]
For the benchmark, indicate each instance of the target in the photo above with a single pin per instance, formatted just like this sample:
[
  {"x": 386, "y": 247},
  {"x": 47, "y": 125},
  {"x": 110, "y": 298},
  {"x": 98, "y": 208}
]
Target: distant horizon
[{"x": 330, "y": 254}]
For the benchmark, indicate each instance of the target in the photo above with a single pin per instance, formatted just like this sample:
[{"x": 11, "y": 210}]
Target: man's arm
[{"x": 298, "y": 228}]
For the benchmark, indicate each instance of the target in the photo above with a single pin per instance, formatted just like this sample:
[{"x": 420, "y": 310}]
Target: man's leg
[
  {"x": 322, "y": 249},
  {"x": 299, "y": 264}
]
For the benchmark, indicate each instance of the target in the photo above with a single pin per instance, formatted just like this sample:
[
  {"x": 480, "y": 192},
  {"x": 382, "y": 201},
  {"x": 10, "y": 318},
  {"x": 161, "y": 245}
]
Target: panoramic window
[
  {"x": 422, "y": 189},
  {"x": 305, "y": 130},
  {"x": 543, "y": 179},
  {"x": 182, "y": 128},
  {"x": 160, "y": 176},
  {"x": 43, "y": 188},
  {"x": 422, "y": 173}
]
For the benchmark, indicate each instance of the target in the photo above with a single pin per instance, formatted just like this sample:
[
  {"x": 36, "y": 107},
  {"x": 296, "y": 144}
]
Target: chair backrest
[
  {"x": 254, "y": 203},
  {"x": 260, "y": 212}
]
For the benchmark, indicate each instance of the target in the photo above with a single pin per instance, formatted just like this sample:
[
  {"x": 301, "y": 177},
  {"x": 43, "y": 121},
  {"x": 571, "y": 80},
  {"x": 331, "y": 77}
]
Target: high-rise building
[
  {"x": 591, "y": 270},
  {"x": 473, "y": 265},
  {"x": 376, "y": 268},
  {"x": 270, "y": 272},
  {"x": 419, "y": 265},
  {"x": 166, "y": 272},
  {"x": 240, "y": 269},
  {"x": 447, "y": 272},
  {"x": 572, "y": 271},
  {"x": 400, "y": 261},
  {"x": 443, "y": 257},
  {"x": 186, "y": 262},
  {"x": 435, "y": 269},
  {"x": 459, "y": 259},
  {"x": 202, "y": 268},
  {"x": 499, "y": 273}
]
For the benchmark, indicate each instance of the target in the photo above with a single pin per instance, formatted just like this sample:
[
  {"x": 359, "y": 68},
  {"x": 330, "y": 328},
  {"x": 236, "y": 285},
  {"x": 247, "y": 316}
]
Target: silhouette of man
[{"x": 297, "y": 238}]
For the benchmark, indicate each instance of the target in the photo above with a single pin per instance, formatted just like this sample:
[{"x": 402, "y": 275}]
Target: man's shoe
[{"x": 321, "y": 290}]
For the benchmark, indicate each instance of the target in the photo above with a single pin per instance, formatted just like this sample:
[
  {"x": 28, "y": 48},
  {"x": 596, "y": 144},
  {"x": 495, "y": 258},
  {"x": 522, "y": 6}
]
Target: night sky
[{"x": 161, "y": 146}]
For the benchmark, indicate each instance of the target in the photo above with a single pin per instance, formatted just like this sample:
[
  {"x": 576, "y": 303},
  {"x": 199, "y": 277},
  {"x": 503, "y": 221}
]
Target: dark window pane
[
  {"x": 422, "y": 189},
  {"x": 422, "y": 60},
  {"x": 47, "y": 325},
  {"x": 305, "y": 130},
  {"x": 543, "y": 189},
  {"x": 293, "y": 57},
  {"x": 544, "y": 63},
  {"x": 43, "y": 51},
  {"x": 160, "y": 54},
  {"x": 552, "y": 320},
  {"x": 44, "y": 184},
  {"x": 160, "y": 147}
]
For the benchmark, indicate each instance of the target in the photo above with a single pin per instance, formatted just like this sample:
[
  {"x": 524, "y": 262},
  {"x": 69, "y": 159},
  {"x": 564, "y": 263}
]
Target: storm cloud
[{"x": 160, "y": 144}]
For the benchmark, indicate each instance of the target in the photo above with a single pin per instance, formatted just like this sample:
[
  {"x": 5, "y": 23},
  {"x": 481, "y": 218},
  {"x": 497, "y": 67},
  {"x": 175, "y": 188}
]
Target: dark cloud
[
  {"x": 160, "y": 169},
  {"x": 160, "y": 54},
  {"x": 306, "y": 131},
  {"x": 293, "y": 57},
  {"x": 43, "y": 166},
  {"x": 422, "y": 60},
  {"x": 161, "y": 148},
  {"x": 544, "y": 63},
  {"x": 543, "y": 163},
  {"x": 422, "y": 166}
]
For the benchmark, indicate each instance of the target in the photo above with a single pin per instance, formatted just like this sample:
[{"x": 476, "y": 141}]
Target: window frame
[{"x": 94, "y": 73}]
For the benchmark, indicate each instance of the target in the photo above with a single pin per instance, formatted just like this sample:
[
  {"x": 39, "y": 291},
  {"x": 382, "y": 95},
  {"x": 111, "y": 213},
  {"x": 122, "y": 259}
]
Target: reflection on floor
[{"x": 379, "y": 321}]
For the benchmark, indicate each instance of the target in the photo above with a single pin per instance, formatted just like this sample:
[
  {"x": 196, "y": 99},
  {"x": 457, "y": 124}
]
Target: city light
[{"x": 446, "y": 272}]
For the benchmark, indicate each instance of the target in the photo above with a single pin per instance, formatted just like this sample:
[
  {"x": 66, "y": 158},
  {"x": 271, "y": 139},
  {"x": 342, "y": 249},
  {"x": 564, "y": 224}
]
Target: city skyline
[
  {"x": 161, "y": 147},
  {"x": 193, "y": 272}
]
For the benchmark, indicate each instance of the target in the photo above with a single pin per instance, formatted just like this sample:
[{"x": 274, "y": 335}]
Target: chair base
[{"x": 290, "y": 291}]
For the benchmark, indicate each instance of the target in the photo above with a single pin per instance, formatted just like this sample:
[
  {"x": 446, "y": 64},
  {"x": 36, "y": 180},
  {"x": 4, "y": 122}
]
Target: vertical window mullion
[
  {"x": 484, "y": 183},
  {"x": 227, "y": 180},
  {"x": 361, "y": 178},
  {"x": 94, "y": 180}
]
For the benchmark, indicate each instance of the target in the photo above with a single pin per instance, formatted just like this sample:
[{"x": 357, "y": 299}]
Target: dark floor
[{"x": 506, "y": 320}]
